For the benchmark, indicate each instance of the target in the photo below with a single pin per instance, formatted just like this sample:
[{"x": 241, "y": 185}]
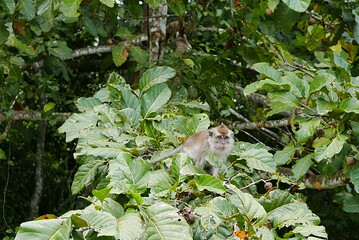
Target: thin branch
[
  {"x": 32, "y": 116},
  {"x": 265, "y": 131},
  {"x": 300, "y": 68},
  {"x": 259, "y": 125}
]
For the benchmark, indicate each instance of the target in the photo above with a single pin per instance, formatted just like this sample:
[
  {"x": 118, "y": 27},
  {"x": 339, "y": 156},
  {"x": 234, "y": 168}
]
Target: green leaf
[
  {"x": 259, "y": 159},
  {"x": 78, "y": 125},
  {"x": 129, "y": 99},
  {"x": 135, "y": 171},
  {"x": 164, "y": 222},
  {"x": 28, "y": 49},
  {"x": 284, "y": 156},
  {"x": 340, "y": 62},
  {"x": 49, "y": 106},
  {"x": 197, "y": 123},
  {"x": 10, "y": 4},
  {"x": 60, "y": 49},
  {"x": 298, "y": 87},
  {"x": 320, "y": 81},
  {"x": 154, "y": 4},
  {"x": 84, "y": 104},
  {"x": 268, "y": 71},
  {"x": 154, "y": 99},
  {"x": 140, "y": 56},
  {"x": 292, "y": 214},
  {"x": 177, "y": 6},
  {"x": 354, "y": 176},
  {"x": 45, "y": 229},
  {"x": 189, "y": 62},
  {"x": 275, "y": 199},
  {"x": 272, "y": 4},
  {"x": 131, "y": 116},
  {"x": 102, "y": 222},
  {"x": 2, "y": 154},
  {"x": 111, "y": 206},
  {"x": 84, "y": 175},
  {"x": 130, "y": 226},
  {"x": 297, "y": 5},
  {"x": 69, "y": 7},
  {"x": 333, "y": 148},
  {"x": 351, "y": 204},
  {"x": 209, "y": 183},
  {"x": 27, "y": 9},
  {"x": 267, "y": 84},
  {"x": 119, "y": 54},
  {"x": 307, "y": 130},
  {"x": 108, "y": 3},
  {"x": 313, "y": 232},
  {"x": 349, "y": 105},
  {"x": 179, "y": 161},
  {"x": 155, "y": 76},
  {"x": 101, "y": 194},
  {"x": 247, "y": 205},
  {"x": 301, "y": 166}
]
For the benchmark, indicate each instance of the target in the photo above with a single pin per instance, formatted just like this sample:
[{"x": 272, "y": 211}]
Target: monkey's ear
[{"x": 210, "y": 133}]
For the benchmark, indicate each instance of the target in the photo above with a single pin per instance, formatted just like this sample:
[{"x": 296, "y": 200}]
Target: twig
[
  {"x": 266, "y": 124},
  {"x": 300, "y": 68}
]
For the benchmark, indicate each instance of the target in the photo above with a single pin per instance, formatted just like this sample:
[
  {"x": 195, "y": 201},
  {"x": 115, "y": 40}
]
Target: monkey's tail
[{"x": 164, "y": 156}]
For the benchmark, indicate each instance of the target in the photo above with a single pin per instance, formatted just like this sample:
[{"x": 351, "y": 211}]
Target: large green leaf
[
  {"x": 155, "y": 98},
  {"x": 135, "y": 171},
  {"x": 58, "y": 229},
  {"x": 130, "y": 226},
  {"x": 268, "y": 71},
  {"x": 129, "y": 99},
  {"x": 70, "y": 7},
  {"x": 59, "y": 49},
  {"x": 155, "y": 76},
  {"x": 164, "y": 223},
  {"x": 275, "y": 199},
  {"x": 354, "y": 176},
  {"x": 140, "y": 56},
  {"x": 102, "y": 222},
  {"x": 130, "y": 115},
  {"x": 284, "y": 156},
  {"x": 27, "y": 9},
  {"x": 247, "y": 205},
  {"x": 349, "y": 105},
  {"x": 333, "y": 148},
  {"x": 84, "y": 175},
  {"x": 297, "y": 5},
  {"x": 301, "y": 166},
  {"x": 307, "y": 129},
  {"x": 259, "y": 159},
  {"x": 111, "y": 206},
  {"x": 266, "y": 84},
  {"x": 209, "y": 183},
  {"x": 320, "y": 81},
  {"x": 179, "y": 161},
  {"x": 292, "y": 214},
  {"x": 351, "y": 204},
  {"x": 10, "y": 5}
]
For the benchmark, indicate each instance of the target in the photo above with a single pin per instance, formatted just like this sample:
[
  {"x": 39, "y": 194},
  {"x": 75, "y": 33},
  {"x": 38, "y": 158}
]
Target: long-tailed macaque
[{"x": 218, "y": 140}]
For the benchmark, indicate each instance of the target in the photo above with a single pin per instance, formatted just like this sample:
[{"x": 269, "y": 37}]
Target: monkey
[{"x": 218, "y": 140}]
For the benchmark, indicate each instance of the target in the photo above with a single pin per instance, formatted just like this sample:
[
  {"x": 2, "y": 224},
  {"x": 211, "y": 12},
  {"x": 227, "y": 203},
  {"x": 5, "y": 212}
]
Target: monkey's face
[{"x": 223, "y": 142}]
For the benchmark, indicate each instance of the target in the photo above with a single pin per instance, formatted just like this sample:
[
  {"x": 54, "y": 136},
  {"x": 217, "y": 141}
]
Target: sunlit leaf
[
  {"x": 45, "y": 230},
  {"x": 301, "y": 166},
  {"x": 209, "y": 183},
  {"x": 164, "y": 222},
  {"x": 155, "y": 76},
  {"x": 297, "y": 5},
  {"x": 154, "y": 99},
  {"x": 102, "y": 222}
]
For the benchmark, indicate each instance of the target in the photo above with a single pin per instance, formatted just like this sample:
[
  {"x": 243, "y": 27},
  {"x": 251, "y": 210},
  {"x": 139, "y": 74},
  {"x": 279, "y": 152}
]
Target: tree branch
[
  {"x": 259, "y": 125},
  {"x": 32, "y": 116}
]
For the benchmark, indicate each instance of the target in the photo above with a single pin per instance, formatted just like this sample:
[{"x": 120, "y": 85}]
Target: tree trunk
[
  {"x": 39, "y": 178},
  {"x": 157, "y": 19}
]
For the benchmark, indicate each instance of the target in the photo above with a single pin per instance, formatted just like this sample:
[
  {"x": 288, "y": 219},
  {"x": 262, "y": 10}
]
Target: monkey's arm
[{"x": 164, "y": 156}]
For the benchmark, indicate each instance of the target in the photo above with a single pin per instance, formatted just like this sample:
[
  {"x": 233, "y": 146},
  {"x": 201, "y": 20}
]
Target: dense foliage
[{"x": 291, "y": 66}]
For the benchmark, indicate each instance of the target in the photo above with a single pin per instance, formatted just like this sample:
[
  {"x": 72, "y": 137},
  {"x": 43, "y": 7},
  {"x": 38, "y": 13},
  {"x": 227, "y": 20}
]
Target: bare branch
[
  {"x": 258, "y": 125},
  {"x": 32, "y": 116}
]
